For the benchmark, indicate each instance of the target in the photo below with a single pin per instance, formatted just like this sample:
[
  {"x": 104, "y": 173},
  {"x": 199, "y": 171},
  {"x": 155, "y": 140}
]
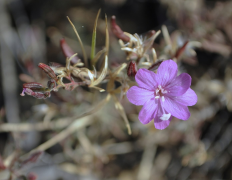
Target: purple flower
[{"x": 162, "y": 95}]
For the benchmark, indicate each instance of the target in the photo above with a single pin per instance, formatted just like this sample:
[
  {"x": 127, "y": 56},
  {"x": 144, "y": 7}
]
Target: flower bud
[
  {"x": 150, "y": 34},
  {"x": 40, "y": 95},
  {"x": 51, "y": 84},
  {"x": 156, "y": 65},
  {"x": 48, "y": 71},
  {"x": 180, "y": 50},
  {"x": 67, "y": 51},
  {"x": 117, "y": 30},
  {"x": 132, "y": 70}
]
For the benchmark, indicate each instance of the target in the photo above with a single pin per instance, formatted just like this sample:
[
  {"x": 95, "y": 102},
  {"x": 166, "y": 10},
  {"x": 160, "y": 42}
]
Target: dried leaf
[
  {"x": 97, "y": 56},
  {"x": 79, "y": 39},
  {"x": 154, "y": 55},
  {"x": 102, "y": 75},
  {"x": 121, "y": 111},
  {"x": 148, "y": 43},
  {"x": 166, "y": 36},
  {"x": 119, "y": 69},
  {"x": 77, "y": 124},
  {"x": 110, "y": 85},
  {"x": 68, "y": 59}
]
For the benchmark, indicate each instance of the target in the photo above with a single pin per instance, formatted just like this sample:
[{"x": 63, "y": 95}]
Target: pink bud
[
  {"x": 150, "y": 34},
  {"x": 48, "y": 71},
  {"x": 155, "y": 66},
  {"x": 117, "y": 30},
  {"x": 51, "y": 84},
  {"x": 132, "y": 70},
  {"x": 67, "y": 51},
  {"x": 180, "y": 50},
  {"x": 41, "y": 95}
]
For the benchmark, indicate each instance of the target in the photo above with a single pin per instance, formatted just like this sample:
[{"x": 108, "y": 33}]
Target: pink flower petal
[
  {"x": 139, "y": 96},
  {"x": 189, "y": 98},
  {"x": 146, "y": 79},
  {"x": 178, "y": 110},
  {"x": 167, "y": 71},
  {"x": 158, "y": 122},
  {"x": 147, "y": 112},
  {"x": 179, "y": 85}
]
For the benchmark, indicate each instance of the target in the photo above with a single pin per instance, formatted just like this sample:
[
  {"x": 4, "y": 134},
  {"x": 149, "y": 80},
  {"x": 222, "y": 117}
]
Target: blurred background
[{"x": 200, "y": 148}]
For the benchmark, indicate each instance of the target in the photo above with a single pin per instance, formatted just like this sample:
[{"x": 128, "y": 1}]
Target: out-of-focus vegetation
[{"x": 80, "y": 134}]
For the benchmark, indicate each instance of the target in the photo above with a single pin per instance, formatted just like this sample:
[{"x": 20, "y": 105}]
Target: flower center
[{"x": 159, "y": 93}]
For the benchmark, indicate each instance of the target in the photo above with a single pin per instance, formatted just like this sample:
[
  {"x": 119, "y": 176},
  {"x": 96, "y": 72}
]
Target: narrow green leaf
[
  {"x": 106, "y": 43},
  {"x": 94, "y": 39},
  {"x": 107, "y": 38}
]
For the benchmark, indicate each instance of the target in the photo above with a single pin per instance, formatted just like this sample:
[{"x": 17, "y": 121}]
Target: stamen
[
  {"x": 163, "y": 99},
  {"x": 165, "y": 117},
  {"x": 164, "y": 91},
  {"x": 157, "y": 97},
  {"x": 23, "y": 94}
]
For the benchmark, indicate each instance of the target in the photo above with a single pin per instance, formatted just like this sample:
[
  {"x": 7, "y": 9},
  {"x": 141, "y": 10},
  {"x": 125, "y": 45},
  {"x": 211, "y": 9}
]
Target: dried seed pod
[
  {"x": 155, "y": 65},
  {"x": 48, "y": 71},
  {"x": 68, "y": 52},
  {"x": 132, "y": 70},
  {"x": 118, "y": 31},
  {"x": 51, "y": 84}
]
